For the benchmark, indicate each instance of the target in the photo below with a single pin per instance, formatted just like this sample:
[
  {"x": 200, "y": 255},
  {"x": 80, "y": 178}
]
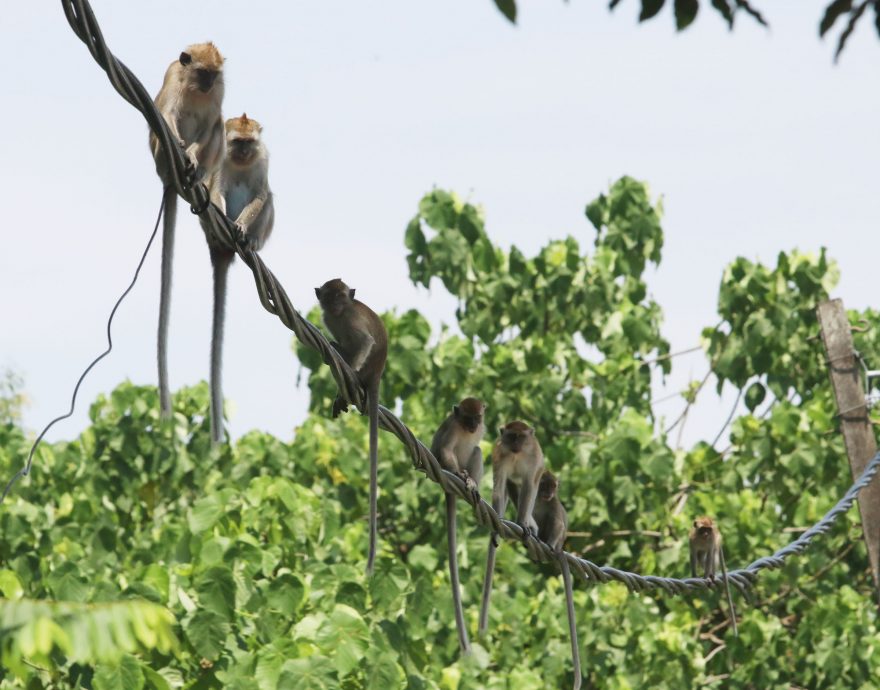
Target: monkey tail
[
  {"x": 169, "y": 219},
  {"x": 572, "y": 626},
  {"x": 220, "y": 260},
  {"x": 729, "y": 598},
  {"x": 463, "y": 641},
  {"x": 373, "y": 410},
  {"x": 487, "y": 588}
]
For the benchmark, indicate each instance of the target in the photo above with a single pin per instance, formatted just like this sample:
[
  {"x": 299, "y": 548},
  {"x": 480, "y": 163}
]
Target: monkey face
[
  {"x": 469, "y": 421},
  {"x": 515, "y": 440},
  {"x": 205, "y": 79},
  {"x": 334, "y": 296},
  {"x": 548, "y": 486},
  {"x": 242, "y": 151}
]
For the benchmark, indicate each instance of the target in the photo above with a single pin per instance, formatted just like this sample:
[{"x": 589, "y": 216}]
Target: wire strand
[{"x": 24, "y": 471}]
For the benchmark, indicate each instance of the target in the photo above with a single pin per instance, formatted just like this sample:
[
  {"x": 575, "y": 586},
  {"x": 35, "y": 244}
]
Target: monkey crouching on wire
[{"x": 706, "y": 553}]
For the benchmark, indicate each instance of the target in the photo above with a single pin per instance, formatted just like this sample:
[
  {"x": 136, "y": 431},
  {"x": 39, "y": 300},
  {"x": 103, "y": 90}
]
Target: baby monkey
[
  {"x": 550, "y": 521},
  {"x": 363, "y": 343},
  {"x": 456, "y": 446},
  {"x": 706, "y": 553},
  {"x": 190, "y": 101},
  {"x": 240, "y": 188}
]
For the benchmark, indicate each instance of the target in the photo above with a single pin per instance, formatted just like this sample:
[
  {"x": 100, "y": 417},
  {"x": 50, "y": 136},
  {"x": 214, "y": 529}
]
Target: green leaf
[
  {"x": 755, "y": 395},
  {"x": 650, "y": 8},
  {"x": 10, "y": 585},
  {"x": 723, "y": 6},
  {"x": 126, "y": 674},
  {"x": 286, "y": 594},
  {"x": 314, "y": 673},
  {"x": 207, "y": 631},
  {"x": 205, "y": 513},
  {"x": 67, "y": 584},
  {"x": 344, "y": 637},
  {"x": 216, "y": 589},
  {"x": 832, "y": 12},
  {"x": 685, "y": 13},
  {"x": 508, "y": 9}
]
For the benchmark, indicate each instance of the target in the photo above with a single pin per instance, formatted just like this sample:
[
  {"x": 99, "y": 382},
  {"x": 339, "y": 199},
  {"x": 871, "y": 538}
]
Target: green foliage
[
  {"x": 685, "y": 11},
  {"x": 242, "y": 568}
]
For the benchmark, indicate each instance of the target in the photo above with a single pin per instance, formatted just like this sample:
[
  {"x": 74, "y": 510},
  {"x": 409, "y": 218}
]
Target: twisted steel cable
[{"x": 274, "y": 299}]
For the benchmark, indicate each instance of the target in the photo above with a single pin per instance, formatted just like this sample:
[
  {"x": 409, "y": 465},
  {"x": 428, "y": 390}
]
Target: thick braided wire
[{"x": 273, "y": 298}]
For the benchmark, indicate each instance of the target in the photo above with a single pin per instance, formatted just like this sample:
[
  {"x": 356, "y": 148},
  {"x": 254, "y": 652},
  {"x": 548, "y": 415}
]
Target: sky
[{"x": 755, "y": 140}]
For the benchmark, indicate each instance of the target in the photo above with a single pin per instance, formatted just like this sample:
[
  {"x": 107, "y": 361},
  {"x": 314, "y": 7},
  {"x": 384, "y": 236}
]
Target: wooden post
[{"x": 858, "y": 434}]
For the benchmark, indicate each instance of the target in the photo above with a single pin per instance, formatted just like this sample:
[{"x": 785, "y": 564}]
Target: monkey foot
[
  {"x": 339, "y": 406},
  {"x": 493, "y": 540}
]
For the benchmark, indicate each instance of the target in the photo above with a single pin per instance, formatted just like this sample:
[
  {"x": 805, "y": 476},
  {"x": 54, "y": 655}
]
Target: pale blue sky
[{"x": 756, "y": 141}]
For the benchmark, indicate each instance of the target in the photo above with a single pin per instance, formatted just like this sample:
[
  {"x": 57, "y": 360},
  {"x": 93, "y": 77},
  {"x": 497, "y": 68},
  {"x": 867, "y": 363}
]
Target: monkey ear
[
  {"x": 501, "y": 431},
  {"x": 455, "y": 410},
  {"x": 695, "y": 523},
  {"x": 185, "y": 58},
  {"x": 351, "y": 293},
  {"x": 318, "y": 293},
  {"x": 531, "y": 432}
]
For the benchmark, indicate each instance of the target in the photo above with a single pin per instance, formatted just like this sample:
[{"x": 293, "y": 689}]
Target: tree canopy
[{"x": 136, "y": 557}]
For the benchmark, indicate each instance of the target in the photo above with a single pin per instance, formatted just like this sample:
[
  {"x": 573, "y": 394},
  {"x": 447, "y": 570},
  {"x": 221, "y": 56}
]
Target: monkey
[
  {"x": 190, "y": 100},
  {"x": 240, "y": 188},
  {"x": 363, "y": 343},
  {"x": 706, "y": 552},
  {"x": 516, "y": 459},
  {"x": 456, "y": 445}
]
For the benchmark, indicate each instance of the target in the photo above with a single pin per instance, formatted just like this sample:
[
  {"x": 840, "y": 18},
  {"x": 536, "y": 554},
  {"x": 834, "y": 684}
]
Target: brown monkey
[
  {"x": 706, "y": 553},
  {"x": 240, "y": 188},
  {"x": 551, "y": 522},
  {"x": 190, "y": 100},
  {"x": 516, "y": 459},
  {"x": 363, "y": 343},
  {"x": 456, "y": 446}
]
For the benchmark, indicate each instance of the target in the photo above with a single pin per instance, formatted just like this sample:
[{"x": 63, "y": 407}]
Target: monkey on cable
[
  {"x": 456, "y": 446},
  {"x": 362, "y": 341},
  {"x": 516, "y": 459},
  {"x": 190, "y": 100},
  {"x": 706, "y": 553},
  {"x": 240, "y": 188},
  {"x": 551, "y": 522}
]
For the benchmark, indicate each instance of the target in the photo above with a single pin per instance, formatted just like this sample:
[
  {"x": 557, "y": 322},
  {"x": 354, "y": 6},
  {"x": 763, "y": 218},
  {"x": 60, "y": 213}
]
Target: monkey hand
[
  {"x": 527, "y": 532},
  {"x": 339, "y": 406},
  {"x": 470, "y": 484}
]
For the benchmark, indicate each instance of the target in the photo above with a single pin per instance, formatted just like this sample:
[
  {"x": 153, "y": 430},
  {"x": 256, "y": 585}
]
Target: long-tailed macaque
[
  {"x": 516, "y": 459},
  {"x": 190, "y": 100},
  {"x": 706, "y": 553},
  {"x": 240, "y": 188},
  {"x": 363, "y": 343},
  {"x": 456, "y": 446},
  {"x": 551, "y": 523}
]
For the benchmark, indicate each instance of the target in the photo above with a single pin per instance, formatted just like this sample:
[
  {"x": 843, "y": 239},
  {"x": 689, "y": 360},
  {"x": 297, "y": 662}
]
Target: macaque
[
  {"x": 363, "y": 343},
  {"x": 456, "y": 446},
  {"x": 516, "y": 459},
  {"x": 240, "y": 188},
  {"x": 706, "y": 553},
  {"x": 551, "y": 522},
  {"x": 190, "y": 100}
]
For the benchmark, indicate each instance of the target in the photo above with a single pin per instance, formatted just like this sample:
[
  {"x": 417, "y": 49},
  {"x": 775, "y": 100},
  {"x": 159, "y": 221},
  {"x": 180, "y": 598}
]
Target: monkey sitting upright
[
  {"x": 706, "y": 553},
  {"x": 190, "y": 101},
  {"x": 516, "y": 459},
  {"x": 456, "y": 445},
  {"x": 240, "y": 188}
]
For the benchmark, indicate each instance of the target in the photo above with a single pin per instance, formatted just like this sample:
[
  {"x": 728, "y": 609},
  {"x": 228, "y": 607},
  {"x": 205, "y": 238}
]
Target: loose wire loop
[{"x": 274, "y": 299}]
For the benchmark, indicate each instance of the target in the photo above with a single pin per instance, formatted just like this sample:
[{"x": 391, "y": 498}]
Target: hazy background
[{"x": 755, "y": 140}]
